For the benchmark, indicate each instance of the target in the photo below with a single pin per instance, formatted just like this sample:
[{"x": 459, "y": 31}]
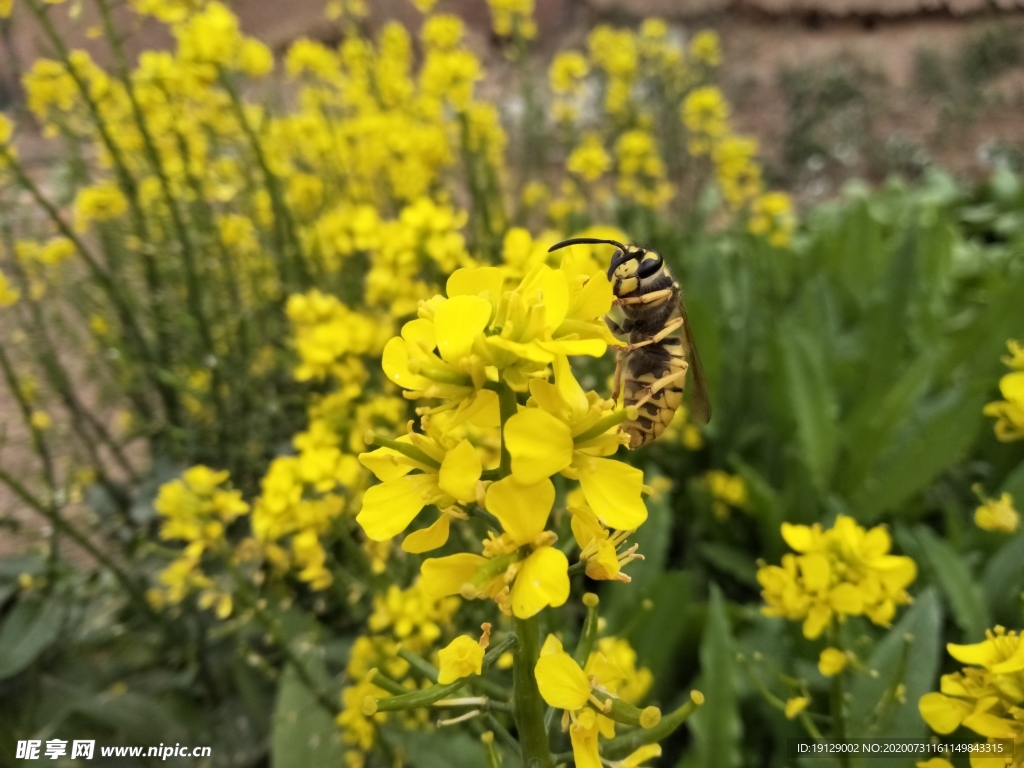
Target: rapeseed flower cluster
[
  {"x": 838, "y": 572},
  {"x": 627, "y": 152},
  {"x": 468, "y": 350},
  {"x": 196, "y": 508},
  {"x": 986, "y": 696}
]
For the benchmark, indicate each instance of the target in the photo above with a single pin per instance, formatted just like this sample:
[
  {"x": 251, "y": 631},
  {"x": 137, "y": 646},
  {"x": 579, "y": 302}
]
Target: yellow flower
[
  {"x": 101, "y": 202},
  {"x": 844, "y": 571},
  {"x": 521, "y": 569},
  {"x": 557, "y": 436},
  {"x": 513, "y": 16},
  {"x": 589, "y": 160},
  {"x": 564, "y": 685},
  {"x": 599, "y": 548},
  {"x": 480, "y": 332},
  {"x": 796, "y": 705},
  {"x": 41, "y": 420},
  {"x": 462, "y": 657},
  {"x": 1009, "y": 413},
  {"x": 985, "y": 697},
  {"x": 706, "y": 49},
  {"x": 8, "y": 294},
  {"x": 771, "y": 216},
  {"x": 448, "y": 475},
  {"x": 1015, "y": 359},
  {"x": 567, "y": 72},
  {"x": 998, "y": 515},
  {"x": 5, "y": 8},
  {"x": 831, "y": 662},
  {"x": 705, "y": 114}
]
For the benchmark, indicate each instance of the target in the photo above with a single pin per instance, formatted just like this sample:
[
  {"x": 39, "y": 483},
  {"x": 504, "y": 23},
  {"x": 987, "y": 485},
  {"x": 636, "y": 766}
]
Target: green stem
[
  {"x": 836, "y": 703},
  {"x": 508, "y": 407},
  {"x": 527, "y": 703}
]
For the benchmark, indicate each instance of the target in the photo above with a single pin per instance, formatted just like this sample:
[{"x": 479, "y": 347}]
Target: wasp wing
[{"x": 700, "y": 405}]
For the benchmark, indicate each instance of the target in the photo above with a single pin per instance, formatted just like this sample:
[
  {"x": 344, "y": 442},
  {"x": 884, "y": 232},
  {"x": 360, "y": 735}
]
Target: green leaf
[
  {"x": 30, "y": 629},
  {"x": 936, "y": 437},
  {"x": 956, "y": 582},
  {"x": 304, "y": 733},
  {"x": 661, "y": 635},
  {"x": 1003, "y": 580},
  {"x": 812, "y": 402},
  {"x": 444, "y": 748},
  {"x": 910, "y": 653},
  {"x": 716, "y": 727},
  {"x": 730, "y": 560},
  {"x": 619, "y": 601}
]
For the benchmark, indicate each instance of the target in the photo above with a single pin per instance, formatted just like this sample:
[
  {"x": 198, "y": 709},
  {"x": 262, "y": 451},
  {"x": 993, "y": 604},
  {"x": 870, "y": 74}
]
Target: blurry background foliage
[{"x": 206, "y": 278}]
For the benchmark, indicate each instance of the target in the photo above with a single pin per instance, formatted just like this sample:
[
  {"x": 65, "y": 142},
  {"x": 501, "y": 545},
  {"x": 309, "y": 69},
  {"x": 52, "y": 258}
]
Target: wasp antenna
[{"x": 586, "y": 241}]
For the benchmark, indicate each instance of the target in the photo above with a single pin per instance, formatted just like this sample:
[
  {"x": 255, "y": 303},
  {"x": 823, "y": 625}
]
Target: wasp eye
[{"x": 649, "y": 267}]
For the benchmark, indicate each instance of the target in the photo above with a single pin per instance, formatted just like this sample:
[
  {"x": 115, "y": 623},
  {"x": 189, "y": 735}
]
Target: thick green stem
[
  {"x": 508, "y": 406},
  {"x": 527, "y": 703}
]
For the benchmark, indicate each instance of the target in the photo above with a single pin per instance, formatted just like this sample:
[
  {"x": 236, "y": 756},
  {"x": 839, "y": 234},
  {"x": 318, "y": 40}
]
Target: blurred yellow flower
[
  {"x": 843, "y": 571},
  {"x": 998, "y": 515},
  {"x": 796, "y": 705},
  {"x": 589, "y": 160},
  {"x": 705, "y": 48},
  {"x": 462, "y": 657},
  {"x": 99, "y": 203},
  {"x": 832, "y": 661},
  {"x": 1009, "y": 413}
]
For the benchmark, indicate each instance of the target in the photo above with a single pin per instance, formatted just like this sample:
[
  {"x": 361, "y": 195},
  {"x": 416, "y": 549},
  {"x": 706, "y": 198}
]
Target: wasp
[{"x": 651, "y": 370}]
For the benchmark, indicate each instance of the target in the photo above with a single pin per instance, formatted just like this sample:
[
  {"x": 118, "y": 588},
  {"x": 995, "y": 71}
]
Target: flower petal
[
  {"x": 540, "y": 445},
  {"x": 395, "y": 362},
  {"x": 943, "y": 713},
  {"x": 443, "y": 576},
  {"x": 569, "y": 390},
  {"x": 476, "y": 281},
  {"x": 593, "y": 300},
  {"x": 613, "y": 491},
  {"x": 457, "y": 323},
  {"x": 386, "y": 463},
  {"x": 427, "y": 539},
  {"x": 561, "y": 681},
  {"x": 460, "y": 471},
  {"x": 521, "y": 509},
  {"x": 388, "y": 508},
  {"x": 543, "y": 580}
]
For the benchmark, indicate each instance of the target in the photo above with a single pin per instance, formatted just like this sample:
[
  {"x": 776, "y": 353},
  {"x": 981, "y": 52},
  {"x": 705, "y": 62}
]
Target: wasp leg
[
  {"x": 656, "y": 386},
  {"x": 669, "y": 327},
  {"x": 647, "y": 298}
]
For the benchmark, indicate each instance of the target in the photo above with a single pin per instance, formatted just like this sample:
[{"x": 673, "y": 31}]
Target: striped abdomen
[{"x": 644, "y": 367}]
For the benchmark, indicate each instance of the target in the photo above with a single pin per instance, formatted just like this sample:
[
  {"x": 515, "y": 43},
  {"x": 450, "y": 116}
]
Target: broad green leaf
[
  {"x": 1003, "y": 580},
  {"x": 716, "y": 726},
  {"x": 304, "y": 733},
  {"x": 811, "y": 401},
  {"x": 875, "y": 420},
  {"x": 928, "y": 443},
  {"x": 32, "y": 627},
  {"x": 665, "y": 632},
  {"x": 449, "y": 748},
  {"x": 908, "y": 655},
  {"x": 949, "y": 571},
  {"x": 730, "y": 560}
]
